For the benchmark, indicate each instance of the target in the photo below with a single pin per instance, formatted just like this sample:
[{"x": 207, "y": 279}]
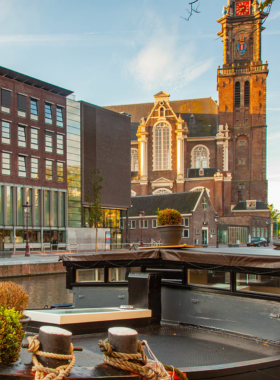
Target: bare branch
[{"x": 193, "y": 9}]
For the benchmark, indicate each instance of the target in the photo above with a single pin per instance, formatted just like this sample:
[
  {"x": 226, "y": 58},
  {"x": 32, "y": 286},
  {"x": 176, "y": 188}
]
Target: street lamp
[
  {"x": 267, "y": 231},
  {"x": 217, "y": 223},
  {"x": 141, "y": 215},
  {"x": 26, "y": 212}
]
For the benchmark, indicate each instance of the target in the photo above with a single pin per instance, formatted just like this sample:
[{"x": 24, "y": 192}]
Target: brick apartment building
[
  {"x": 197, "y": 212},
  {"x": 33, "y": 161},
  {"x": 187, "y": 145}
]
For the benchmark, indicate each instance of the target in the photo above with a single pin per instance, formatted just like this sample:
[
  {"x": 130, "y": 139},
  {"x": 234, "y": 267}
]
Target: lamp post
[
  {"x": 267, "y": 229},
  {"x": 26, "y": 212},
  {"x": 217, "y": 223},
  {"x": 141, "y": 215}
]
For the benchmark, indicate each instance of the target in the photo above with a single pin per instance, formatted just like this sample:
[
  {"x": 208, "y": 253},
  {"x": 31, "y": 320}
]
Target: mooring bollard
[
  {"x": 123, "y": 339},
  {"x": 56, "y": 341}
]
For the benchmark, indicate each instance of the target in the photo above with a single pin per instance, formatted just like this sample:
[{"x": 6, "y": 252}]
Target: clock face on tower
[{"x": 242, "y": 8}]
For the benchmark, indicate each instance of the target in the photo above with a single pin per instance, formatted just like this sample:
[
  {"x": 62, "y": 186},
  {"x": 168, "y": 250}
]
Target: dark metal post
[
  {"x": 217, "y": 223},
  {"x": 267, "y": 231},
  {"x": 25, "y": 210},
  {"x": 141, "y": 215}
]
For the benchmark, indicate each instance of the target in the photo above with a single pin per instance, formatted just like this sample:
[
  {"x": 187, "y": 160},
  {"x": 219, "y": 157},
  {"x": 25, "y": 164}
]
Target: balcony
[{"x": 242, "y": 70}]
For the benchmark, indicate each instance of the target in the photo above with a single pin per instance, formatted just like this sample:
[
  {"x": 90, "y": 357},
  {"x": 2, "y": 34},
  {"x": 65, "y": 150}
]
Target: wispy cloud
[
  {"x": 273, "y": 108},
  {"x": 164, "y": 62},
  {"x": 273, "y": 15}
]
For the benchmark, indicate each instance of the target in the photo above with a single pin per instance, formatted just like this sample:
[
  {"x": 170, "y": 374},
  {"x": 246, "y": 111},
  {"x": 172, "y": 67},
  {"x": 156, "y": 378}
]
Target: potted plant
[
  {"x": 14, "y": 296},
  {"x": 169, "y": 224},
  {"x": 11, "y": 334}
]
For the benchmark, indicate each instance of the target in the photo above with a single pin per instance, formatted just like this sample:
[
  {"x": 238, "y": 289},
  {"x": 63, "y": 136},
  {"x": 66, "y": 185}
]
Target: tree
[
  {"x": 266, "y": 3},
  {"x": 94, "y": 200},
  {"x": 274, "y": 215}
]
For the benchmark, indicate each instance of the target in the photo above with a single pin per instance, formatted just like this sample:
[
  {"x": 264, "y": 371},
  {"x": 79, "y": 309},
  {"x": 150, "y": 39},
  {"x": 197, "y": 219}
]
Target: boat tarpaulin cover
[{"x": 183, "y": 256}]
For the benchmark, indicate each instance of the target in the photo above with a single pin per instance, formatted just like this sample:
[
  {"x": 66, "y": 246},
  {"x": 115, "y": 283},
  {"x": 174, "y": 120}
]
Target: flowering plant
[
  {"x": 168, "y": 216},
  {"x": 14, "y": 296},
  {"x": 11, "y": 335}
]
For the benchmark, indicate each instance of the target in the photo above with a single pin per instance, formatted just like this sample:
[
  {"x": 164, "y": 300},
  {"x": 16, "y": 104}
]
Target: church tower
[{"x": 241, "y": 83}]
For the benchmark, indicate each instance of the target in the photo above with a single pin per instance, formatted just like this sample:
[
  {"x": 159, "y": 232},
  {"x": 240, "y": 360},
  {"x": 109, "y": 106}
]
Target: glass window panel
[
  {"x": 121, "y": 274},
  {"x": 19, "y": 206},
  {"x": 33, "y": 107},
  {"x": 71, "y": 130},
  {"x": 8, "y": 236},
  {"x": 49, "y": 170},
  {"x": 62, "y": 209},
  {"x": 215, "y": 279},
  {"x": 34, "y": 138},
  {"x": 73, "y": 117},
  {"x": 22, "y": 136},
  {"x": 59, "y": 144},
  {"x": 37, "y": 208},
  {"x": 21, "y": 166},
  {"x": 60, "y": 172},
  {"x": 29, "y": 200},
  {"x": 59, "y": 116},
  {"x": 162, "y": 146},
  {"x": 46, "y": 237},
  {"x": 34, "y": 167},
  {"x": 55, "y": 208},
  {"x": 6, "y": 132},
  {"x": 48, "y": 113},
  {"x": 72, "y": 110},
  {"x": 73, "y": 157},
  {"x": 74, "y": 149},
  {"x": 9, "y": 205},
  {"x": 6, "y": 163},
  {"x": 246, "y": 282},
  {"x": 47, "y": 208},
  {"x": 36, "y": 237},
  {"x": 48, "y": 142},
  {"x": 90, "y": 275}
]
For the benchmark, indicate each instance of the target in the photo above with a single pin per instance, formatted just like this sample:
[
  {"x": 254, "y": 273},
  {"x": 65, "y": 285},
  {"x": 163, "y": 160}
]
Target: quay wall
[{"x": 30, "y": 269}]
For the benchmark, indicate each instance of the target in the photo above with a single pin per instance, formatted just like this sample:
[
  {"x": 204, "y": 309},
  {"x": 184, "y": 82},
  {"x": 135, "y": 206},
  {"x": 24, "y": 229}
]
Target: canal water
[{"x": 44, "y": 290}]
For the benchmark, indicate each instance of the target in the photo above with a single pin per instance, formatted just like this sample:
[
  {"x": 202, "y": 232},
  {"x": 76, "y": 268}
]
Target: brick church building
[{"x": 187, "y": 145}]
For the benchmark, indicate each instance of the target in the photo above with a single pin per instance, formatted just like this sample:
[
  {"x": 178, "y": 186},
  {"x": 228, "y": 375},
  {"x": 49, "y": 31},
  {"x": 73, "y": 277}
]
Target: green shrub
[
  {"x": 14, "y": 296},
  {"x": 11, "y": 335},
  {"x": 169, "y": 216}
]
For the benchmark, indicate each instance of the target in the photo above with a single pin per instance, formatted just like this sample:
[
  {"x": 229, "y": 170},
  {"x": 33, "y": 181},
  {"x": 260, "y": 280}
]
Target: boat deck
[{"x": 180, "y": 346}]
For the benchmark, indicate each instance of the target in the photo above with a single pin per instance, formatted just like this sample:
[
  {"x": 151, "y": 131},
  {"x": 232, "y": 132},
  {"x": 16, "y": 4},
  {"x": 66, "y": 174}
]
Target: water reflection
[{"x": 44, "y": 290}]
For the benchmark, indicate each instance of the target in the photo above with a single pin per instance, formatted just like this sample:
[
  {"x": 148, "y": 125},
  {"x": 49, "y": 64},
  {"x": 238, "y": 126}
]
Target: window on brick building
[
  {"x": 185, "y": 234},
  {"x": 132, "y": 224},
  {"x": 197, "y": 231},
  {"x": 185, "y": 222},
  {"x": 59, "y": 144},
  {"x": 247, "y": 94},
  {"x": 154, "y": 223},
  {"x": 6, "y": 163},
  {"x": 5, "y": 100},
  {"x": 241, "y": 143},
  {"x": 22, "y": 136},
  {"x": 48, "y": 113},
  {"x": 237, "y": 94},
  {"x": 144, "y": 223},
  {"x": 192, "y": 119},
  {"x": 34, "y": 135},
  {"x": 59, "y": 116},
  {"x": 60, "y": 172},
  {"x": 49, "y": 142},
  {"x": 34, "y": 109},
  {"x": 21, "y": 166},
  {"x": 134, "y": 160},
  {"x": 253, "y": 232},
  {"x": 204, "y": 203},
  {"x": 161, "y": 111},
  {"x": 213, "y": 231},
  {"x": 34, "y": 167},
  {"x": 258, "y": 232},
  {"x": 200, "y": 157},
  {"x": 6, "y": 133},
  {"x": 162, "y": 147},
  {"x": 21, "y": 105},
  {"x": 49, "y": 170}
]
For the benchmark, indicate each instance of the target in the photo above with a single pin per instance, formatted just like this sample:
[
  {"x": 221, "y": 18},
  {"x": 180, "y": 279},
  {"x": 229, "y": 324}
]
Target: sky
[{"x": 119, "y": 52}]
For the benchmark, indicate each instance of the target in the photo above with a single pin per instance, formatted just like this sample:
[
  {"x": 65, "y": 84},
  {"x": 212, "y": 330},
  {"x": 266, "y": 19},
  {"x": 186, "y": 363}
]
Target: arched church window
[
  {"x": 162, "y": 191},
  {"x": 161, "y": 111},
  {"x": 247, "y": 93},
  {"x": 200, "y": 157},
  {"x": 237, "y": 94},
  {"x": 134, "y": 160},
  {"x": 162, "y": 146},
  {"x": 192, "y": 119}
]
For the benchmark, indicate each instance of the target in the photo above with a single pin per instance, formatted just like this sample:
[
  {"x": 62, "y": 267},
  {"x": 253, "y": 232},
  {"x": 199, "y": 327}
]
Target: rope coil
[
  {"x": 150, "y": 369},
  {"x": 52, "y": 374}
]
